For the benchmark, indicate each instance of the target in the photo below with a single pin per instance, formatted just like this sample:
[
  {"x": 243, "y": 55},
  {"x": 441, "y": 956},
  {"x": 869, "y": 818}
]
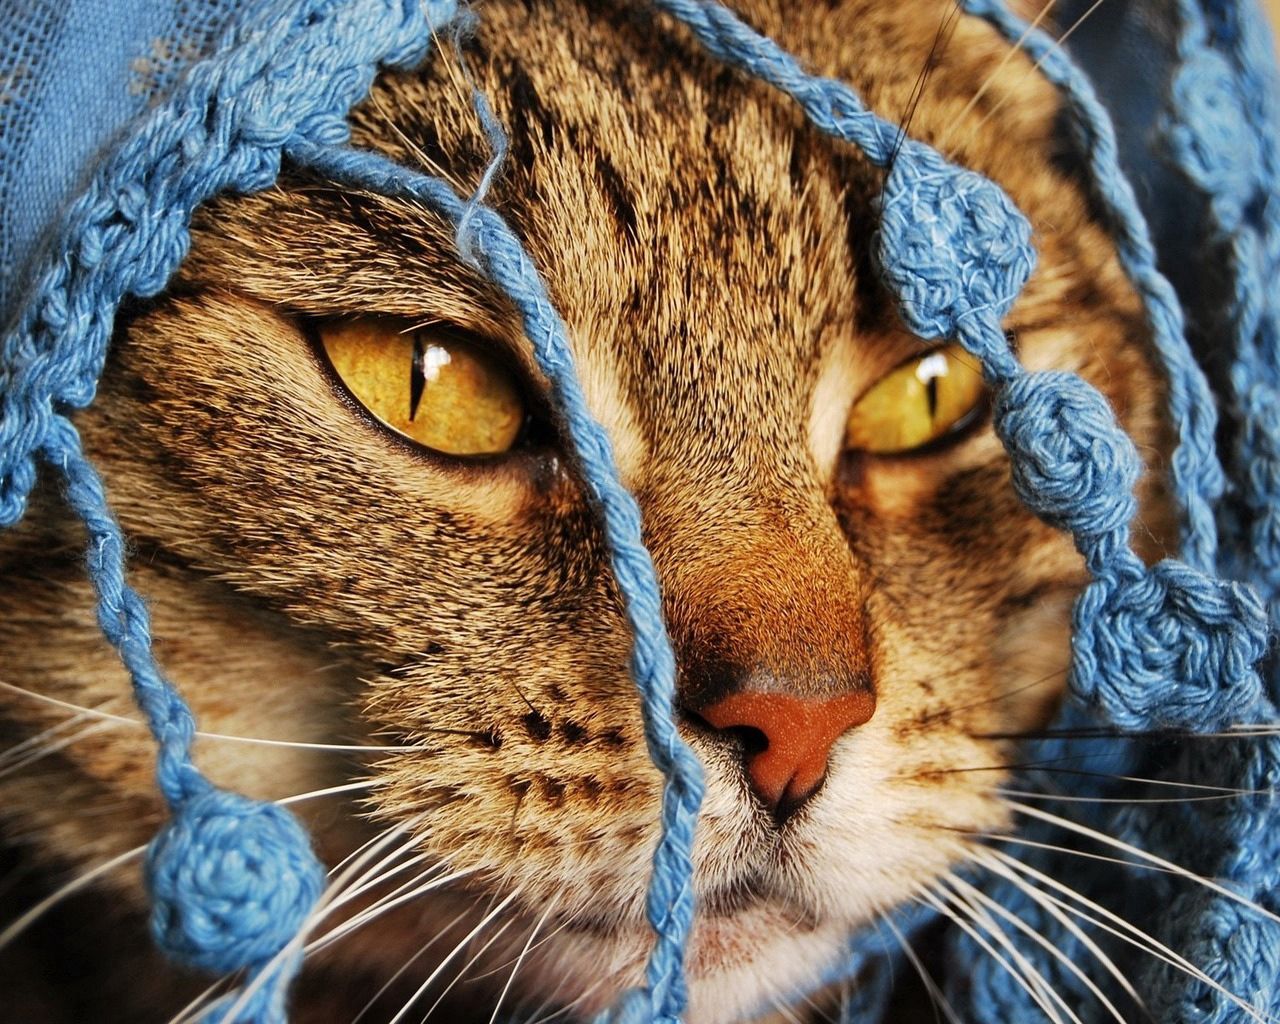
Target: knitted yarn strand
[{"x": 501, "y": 257}]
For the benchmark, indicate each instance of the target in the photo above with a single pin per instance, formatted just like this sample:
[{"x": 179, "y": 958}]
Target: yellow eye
[
  {"x": 918, "y": 402},
  {"x": 431, "y": 387}
]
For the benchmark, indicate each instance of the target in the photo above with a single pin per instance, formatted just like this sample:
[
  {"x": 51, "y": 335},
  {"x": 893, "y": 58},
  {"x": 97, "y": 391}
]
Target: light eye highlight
[
  {"x": 916, "y": 403},
  {"x": 425, "y": 383}
]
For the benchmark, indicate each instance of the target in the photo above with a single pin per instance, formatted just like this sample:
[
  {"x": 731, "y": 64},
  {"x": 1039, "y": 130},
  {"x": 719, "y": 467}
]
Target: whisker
[
  {"x": 1057, "y": 798},
  {"x": 785, "y": 1011},
  {"x": 34, "y": 741},
  {"x": 991, "y": 860},
  {"x": 939, "y": 999},
  {"x": 58, "y": 895},
  {"x": 329, "y": 901},
  {"x": 1017, "y": 840},
  {"x": 1003, "y": 912},
  {"x": 239, "y": 1000},
  {"x": 946, "y": 27},
  {"x": 983, "y": 919},
  {"x": 1026, "y": 984},
  {"x": 1145, "y": 855},
  {"x": 29, "y": 917},
  {"x": 49, "y": 749},
  {"x": 484, "y": 922},
  {"x": 995, "y": 73},
  {"x": 414, "y": 149},
  {"x": 987, "y": 701},
  {"x": 386, "y": 905},
  {"x": 390, "y": 873},
  {"x": 407, "y": 964},
  {"x": 1048, "y": 768},
  {"x": 541, "y": 942},
  {"x": 463, "y": 970},
  {"x": 1235, "y": 732},
  {"x": 1056, "y": 45},
  {"x": 1135, "y": 937},
  {"x": 135, "y": 723},
  {"x": 493, "y": 1019},
  {"x": 567, "y": 1008}
]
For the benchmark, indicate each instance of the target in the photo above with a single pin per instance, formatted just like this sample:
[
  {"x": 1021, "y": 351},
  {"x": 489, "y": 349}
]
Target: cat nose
[{"x": 798, "y": 733}]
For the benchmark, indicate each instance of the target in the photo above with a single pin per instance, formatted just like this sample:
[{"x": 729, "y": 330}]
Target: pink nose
[{"x": 798, "y": 735}]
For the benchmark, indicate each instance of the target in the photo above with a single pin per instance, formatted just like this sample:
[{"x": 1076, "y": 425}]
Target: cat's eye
[
  {"x": 917, "y": 403},
  {"x": 443, "y": 392}
]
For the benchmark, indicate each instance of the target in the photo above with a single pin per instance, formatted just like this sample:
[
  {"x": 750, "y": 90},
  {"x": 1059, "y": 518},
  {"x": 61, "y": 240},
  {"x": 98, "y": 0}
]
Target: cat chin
[{"x": 738, "y": 966}]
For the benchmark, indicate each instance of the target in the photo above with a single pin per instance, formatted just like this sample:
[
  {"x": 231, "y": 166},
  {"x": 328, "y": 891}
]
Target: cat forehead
[
  {"x": 707, "y": 249},
  {"x": 682, "y": 217}
]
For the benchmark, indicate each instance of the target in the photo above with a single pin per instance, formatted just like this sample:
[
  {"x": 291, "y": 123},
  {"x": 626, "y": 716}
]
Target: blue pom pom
[
  {"x": 951, "y": 243},
  {"x": 1169, "y": 648},
  {"x": 231, "y": 881},
  {"x": 1071, "y": 463}
]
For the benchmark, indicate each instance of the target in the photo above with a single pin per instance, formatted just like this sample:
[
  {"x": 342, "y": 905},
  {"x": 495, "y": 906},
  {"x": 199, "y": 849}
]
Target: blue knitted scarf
[{"x": 136, "y": 111}]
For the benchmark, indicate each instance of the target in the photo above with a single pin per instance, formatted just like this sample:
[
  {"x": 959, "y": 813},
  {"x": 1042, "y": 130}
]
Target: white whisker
[
  {"x": 1058, "y": 798},
  {"x": 940, "y": 1001},
  {"x": 22, "y": 923},
  {"x": 1055, "y": 45},
  {"x": 443, "y": 930},
  {"x": 40, "y": 753},
  {"x": 324, "y": 905},
  {"x": 136, "y": 723},
  {"x": 58, "y": 895},
  {"x": 456, "y": 949},
  {"x": 568, "y": 1007},
  {"x": 1135, "y": 936},
  {"x": 17, "y": 749},
  {"x": 1151, "y": 858},
  {"x": 493, "y": 1019},
  {"x": 1026, "y": 984},
  {"x": 387, "y": 904},
  {"x": 1017, "y": 840},
  {"x": 377, "y": 880},
  {"x": 984, "y": 920},
  {"x": 463, "y": 970},
  {"x": 995, "y": 73},
  {"x": 986, "y": 858},
  {"x": 1005, "y": 914}
]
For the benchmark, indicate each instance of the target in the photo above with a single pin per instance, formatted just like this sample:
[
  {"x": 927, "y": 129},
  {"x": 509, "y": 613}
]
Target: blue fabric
[
  {"x": 70, "y": 80},
  {"x": 132, "y": 146}
]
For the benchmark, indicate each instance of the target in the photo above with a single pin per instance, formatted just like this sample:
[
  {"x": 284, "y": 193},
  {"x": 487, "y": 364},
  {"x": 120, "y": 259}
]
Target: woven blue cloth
[{"x": 135, "y": 112}]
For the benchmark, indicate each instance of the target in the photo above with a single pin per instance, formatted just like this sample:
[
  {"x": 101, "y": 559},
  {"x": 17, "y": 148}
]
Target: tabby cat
[{"x": 352, "y": 512}]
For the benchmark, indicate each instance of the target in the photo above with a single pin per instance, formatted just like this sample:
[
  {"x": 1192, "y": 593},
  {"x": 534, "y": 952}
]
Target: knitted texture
[{"x": 1170, "y": 647}]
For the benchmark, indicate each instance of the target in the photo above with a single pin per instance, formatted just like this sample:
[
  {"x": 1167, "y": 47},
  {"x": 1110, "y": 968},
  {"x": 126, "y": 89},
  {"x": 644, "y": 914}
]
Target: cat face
[{"x": 317, "y": 576}]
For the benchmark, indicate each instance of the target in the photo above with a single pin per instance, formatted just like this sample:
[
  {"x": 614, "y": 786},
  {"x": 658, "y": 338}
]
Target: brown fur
[{"x": 314, "y": 578}]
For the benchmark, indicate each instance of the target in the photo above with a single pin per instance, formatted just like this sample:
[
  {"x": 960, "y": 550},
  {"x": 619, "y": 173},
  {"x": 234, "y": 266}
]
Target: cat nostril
[{"x": 787, "y": 740}]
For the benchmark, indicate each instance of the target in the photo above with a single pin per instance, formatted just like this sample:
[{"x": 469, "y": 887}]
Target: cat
[{"x": 447, "y": 623}]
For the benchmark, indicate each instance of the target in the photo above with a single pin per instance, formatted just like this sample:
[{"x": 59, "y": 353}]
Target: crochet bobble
[{"x": 232, "y": 880}]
